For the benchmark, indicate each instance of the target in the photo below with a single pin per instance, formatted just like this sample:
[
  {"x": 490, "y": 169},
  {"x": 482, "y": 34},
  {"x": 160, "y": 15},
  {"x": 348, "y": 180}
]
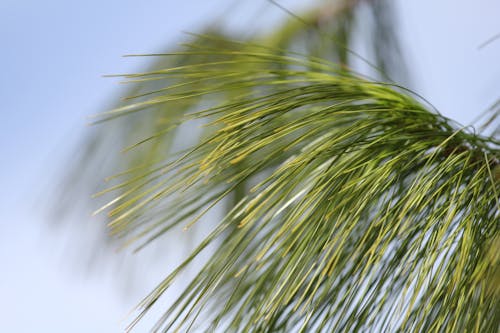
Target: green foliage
[
  {"x": 366, "y": 210},
  {"x": 353, "y": 205}
]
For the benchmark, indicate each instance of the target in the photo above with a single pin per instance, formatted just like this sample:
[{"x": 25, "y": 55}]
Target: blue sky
[{"x": 53, "y": 56}]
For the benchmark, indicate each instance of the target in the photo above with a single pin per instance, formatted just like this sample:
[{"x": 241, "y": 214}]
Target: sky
[{"x": 54, "y": 54}]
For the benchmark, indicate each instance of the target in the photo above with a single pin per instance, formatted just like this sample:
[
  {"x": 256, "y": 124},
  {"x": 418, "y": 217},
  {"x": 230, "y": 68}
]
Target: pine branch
[{"x": 366, "y": 210}]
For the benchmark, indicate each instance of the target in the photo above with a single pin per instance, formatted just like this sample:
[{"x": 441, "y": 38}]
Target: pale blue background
[{"x": 52, "y": 56}]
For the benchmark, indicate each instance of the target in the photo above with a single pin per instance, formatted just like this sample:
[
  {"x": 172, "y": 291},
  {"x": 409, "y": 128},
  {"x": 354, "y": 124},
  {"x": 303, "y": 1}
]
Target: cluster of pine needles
[{"x": 358, "y": 207}]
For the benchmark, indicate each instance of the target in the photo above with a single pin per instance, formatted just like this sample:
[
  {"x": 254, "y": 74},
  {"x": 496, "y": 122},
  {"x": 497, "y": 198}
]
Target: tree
[{"x": 351, "y": 204}]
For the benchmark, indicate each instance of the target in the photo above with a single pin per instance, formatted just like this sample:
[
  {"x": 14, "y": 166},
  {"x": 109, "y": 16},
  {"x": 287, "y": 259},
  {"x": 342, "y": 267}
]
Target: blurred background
[{"x": 53, "y": 56}]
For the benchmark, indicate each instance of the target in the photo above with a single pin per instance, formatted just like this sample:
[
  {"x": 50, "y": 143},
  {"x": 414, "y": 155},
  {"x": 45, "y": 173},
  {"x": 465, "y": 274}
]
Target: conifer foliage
[{"x": 351, "y": 204}]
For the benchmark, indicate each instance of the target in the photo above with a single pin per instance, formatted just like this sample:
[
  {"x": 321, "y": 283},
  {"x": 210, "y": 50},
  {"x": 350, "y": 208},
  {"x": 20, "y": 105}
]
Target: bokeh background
[{"x": 53, "y": 56}]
